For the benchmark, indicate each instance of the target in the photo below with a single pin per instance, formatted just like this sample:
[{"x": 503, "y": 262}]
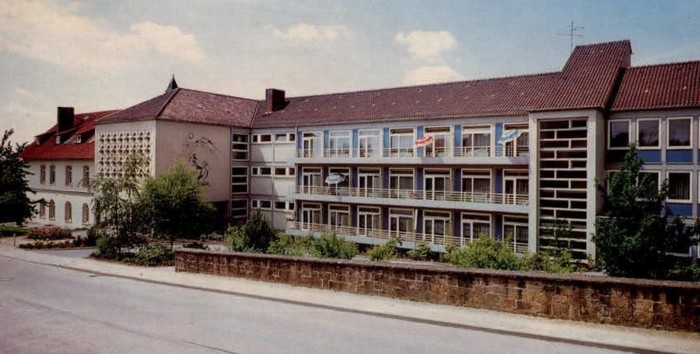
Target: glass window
[
  {"x": 280, "y": 205},
  {"x": 476, "y": 141},
  {"x": 69, "y": 175},
  {"x": 239, "y": 211},
  {"x": 679, "y": 132},
  {"x": 280, "y": 171},
  {"x": 42, "y": 174},
  {"x": 339, "y": 144},
  {"x": 68, "y": 213},
  {"x": 650, "y": 180},
  {"x": 52, "y": 210},
  {"x": 648, "y": 133},
  {"x": 265, "y": 138},
  {"x": 239, "y": 180},
  {"x": 86, "y": 176},
  {"x": 239, "y": 147},
  {"x": 476, "y": 185},
  {"x": 369, "y": 143},
  {"x": 474, "y": 226},
  {"x": 52, "y": 174},
  {"x": 281, "y": 138},
  {"x": 619, "y": 136},
  {"x": 401, "y": 141},
  {"x": 679, "y": 186},
  {"x": 440, "y": 146},
  {"x": 86, "y": 214},
  {"x": 401, "y": 182}
]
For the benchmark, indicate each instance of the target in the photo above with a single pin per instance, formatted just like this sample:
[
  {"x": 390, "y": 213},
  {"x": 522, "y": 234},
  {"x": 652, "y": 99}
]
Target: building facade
[{"x": 444, "y": 163}]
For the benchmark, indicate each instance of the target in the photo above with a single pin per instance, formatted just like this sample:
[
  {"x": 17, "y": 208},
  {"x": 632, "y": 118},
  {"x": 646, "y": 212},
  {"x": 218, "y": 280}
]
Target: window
[
  {"x": 280, "y": 171},
  {"x": 369, "y": 179},
  {"x": 679, "y": 186},
  {"x": 261, "y": 204},
  {"x": 341, "y": 188},
  {"x": 648, "y": 133},
  {"x": 476, "y": 141},
  {"x": 68, "y": 213},
  {"x": 476, "y": 185},
  {"x": 401, "y": 222},
  {"x": 52, "y": 210},
  {"x": 369, "y": 143},
  {"x": 86, "y": 176},
  {"x": 42, "y": 210},
  {"x": 679, "y": 132},
  {"x": 311, "y": 145},
  {"x": 338, "y": 144},
  {"x": 284, "y": 206},
  {"x": 265, "y": 171},
  {"x": 239, "y": 180},
  {"x": 311, "y": 181},
  {"x": 515, "y": 229},
  {"x": 239, "y": 211},
  {"x": 368, "y": 220},
  {"x": 442, "y": 136},
  {"x": 619, "y": 134},
  {"x": 401, "y": 142},
  {"x": 401, "y": 182},
  {"x": 52, "y": 174},
  {"x": 239, "y": 146},
  {"x": 474, "y": 226},
  {"x": 436, "y": 226},
  {"x": 652, "y": 178},
  {"x": 265, "y": 138},
  {"x": 281, "y": 138},
  {"x": 86, "y": 214},
  {"x": 338, "y": 216},
  {"x": 310, "y": 215},
  {"x": 519, "y": 146},
  {"x": 515, "y": 186},
  {"x": 69, "y": 175},
  {"x": 437, "y": 183},
  {"x": 42, "y": 174}
]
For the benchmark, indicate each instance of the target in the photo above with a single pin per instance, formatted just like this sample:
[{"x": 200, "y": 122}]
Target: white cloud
[
  {"x": 56, "y": 33},
  {"x": 26, "y": 115},
  {"x": 426, "y": 45},
  {"x": 304, "y": 32},
  {"x": 431, "y": 74}
]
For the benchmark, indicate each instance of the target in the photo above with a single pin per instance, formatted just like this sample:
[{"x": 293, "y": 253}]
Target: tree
[
  {"x": 174, "y": 204},
  {"x": 118, "y": 215},
  {"x": 633, "y": 235},
  {"x": 255, "y": 235},
  {"x": 15, "y": 205}
]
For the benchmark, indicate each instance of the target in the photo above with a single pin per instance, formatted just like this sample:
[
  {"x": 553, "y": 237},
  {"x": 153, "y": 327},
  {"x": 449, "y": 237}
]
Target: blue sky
[{"x": 100, "y": 54}]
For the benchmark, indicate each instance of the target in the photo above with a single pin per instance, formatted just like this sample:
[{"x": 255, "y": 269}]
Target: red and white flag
[{"x": 424, "y": 141}]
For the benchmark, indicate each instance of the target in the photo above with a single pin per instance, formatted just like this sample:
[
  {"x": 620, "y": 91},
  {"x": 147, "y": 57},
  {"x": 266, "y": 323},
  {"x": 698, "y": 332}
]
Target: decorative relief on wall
[
  {"x": 199, "y": 153},
  {"x": 113, "y": 149}
]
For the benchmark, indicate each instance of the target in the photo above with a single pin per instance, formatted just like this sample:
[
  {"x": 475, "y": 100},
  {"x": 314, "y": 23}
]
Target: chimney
[
  {"x": 274, "y": 100},
  {"x": 65, "y": 118}
]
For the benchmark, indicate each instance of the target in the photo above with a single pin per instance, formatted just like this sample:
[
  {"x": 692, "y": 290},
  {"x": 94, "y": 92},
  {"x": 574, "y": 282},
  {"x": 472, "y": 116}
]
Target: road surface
[{"x": 47, "y": 309}]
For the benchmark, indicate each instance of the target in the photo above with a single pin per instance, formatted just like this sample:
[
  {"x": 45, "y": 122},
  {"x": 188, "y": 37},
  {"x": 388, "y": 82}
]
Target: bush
[
  {"x": 254, "y": 236},
  {"x": 330, "y": 245},
  {"x": 7, "y": 230},
  {"x": 293, "y": 246},
  {"x": 386, "y": 251},
  {"x": 421, "y": 252},
  {"x": 484, "y": 252},
  {"x": 558, "y": 261},
  {"x": 195, "y": 245},
  {"x": 154, "y": 255},
  {"x": 108, "y": 247},
  {"x": 49, "y": 234}
]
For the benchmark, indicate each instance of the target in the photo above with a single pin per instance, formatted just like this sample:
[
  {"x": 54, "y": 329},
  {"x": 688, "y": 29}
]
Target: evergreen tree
[{"x": 15, "y": 205}]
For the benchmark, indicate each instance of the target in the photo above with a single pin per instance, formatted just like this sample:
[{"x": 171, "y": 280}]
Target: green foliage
[
  {"x": 284, "y": 244},
  {"x": 633, "y": 237},
  {"x": 15, "y": 205},
  {"x": 330, "y": 245},
  {"x": 118, "y": 214},
  {"x": 254, "y": 236},
  {"x": 108, "y": 247},
  {"x": 174, "y": 205},
  {"x": 154, "y": 255},
  {"x": 386, "y": 251},
  {"x": 484, "y": 252},
  {"x": 7, "y": 230},
  {"x": 421, "y": 252},
  {"x": 559, "y": 261}
]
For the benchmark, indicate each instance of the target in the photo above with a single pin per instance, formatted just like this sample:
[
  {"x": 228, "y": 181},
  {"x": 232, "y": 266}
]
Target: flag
[
  {"x": 335, "y": 178},
  {"x": 508, "y": 136},
  {"x": 424, "y": 141}
]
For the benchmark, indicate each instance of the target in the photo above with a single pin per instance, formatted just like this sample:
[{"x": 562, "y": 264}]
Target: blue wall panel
[
  {"x": 499, "y": 132},
  {"x": 650, "y": 156},
  {"x": 458, "y": 136},
  {"x": 457, "y": 185},
  {"x": 680, "y": 209},
  {"x": 419, "y": 179},
  {"x": 498, "y": 180},
  {"x": 387, "y": 142},
  {"x": 497, "y": 227},
  {"x": 677, "y": 156},
  {"x": 355, "y": 143},
  {"x": 326, "y": 140}
]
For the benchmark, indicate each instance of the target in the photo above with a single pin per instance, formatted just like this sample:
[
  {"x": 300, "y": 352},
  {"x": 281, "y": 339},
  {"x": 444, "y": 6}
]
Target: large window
[
  {"x": 339, "y": 144},
  {"x": 401, "y": 222},
  {"x": 401, "y": 141},
  {"x": 341, "y": 188},
  {"x": 618, "y": 134},
  {"x": 442, "y": 136},
  {"x": 648, "y": 133},
  {"x": 519, "y": 146},
  {"x": 679, "y": 187},
  {"x": 69, "y": 175},
  {"x": 370, "y": 143},
  {"x": 473, "y": 226},
  {"x": 401, "y": 182},
  {"x": 369, "y": 179},
  {"x": 239, "y": 180},
  {"x": 338, "y": 216},
  {"x": 515, "y": 230},
  {"x": 42, "y": 210},
  {"x": 476, "y": 141},
  {"x": 311, "y": 145},
  {"x": 368, "y": 220},
  {"x": 239, "y": 146},
  {"x": 437, "y": 182},
  {"x": 310, "y": 215},
  {"x": 515, "y": 186},
  {"x": 651, "y": 181},
  {"x": 679, "y": 134},
  {"x": 436, "y": 226},
  {"x": 239, "y": 211},
  {"x": 311, "y": 180},
  {"x": 476, "y": 185}
]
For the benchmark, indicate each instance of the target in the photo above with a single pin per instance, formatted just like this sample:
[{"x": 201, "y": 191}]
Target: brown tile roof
[
  {"x": 190, "y": 106},
  {"x": 663, "y": 86},
  {"x": 586, "y": 81},
  {"x": 84, "y": 124}
]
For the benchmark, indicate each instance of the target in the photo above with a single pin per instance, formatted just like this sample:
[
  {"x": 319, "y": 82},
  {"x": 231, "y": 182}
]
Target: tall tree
[
  {"x": 15, "y": 205},
  {"x": 174, "y": 204}
]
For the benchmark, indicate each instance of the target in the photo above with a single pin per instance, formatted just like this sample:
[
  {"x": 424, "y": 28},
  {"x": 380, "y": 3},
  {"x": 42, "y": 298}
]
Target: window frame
[
  {"x": 690, "y": 186},
  {"x": 235, "y": 147},
  {"x": 464, "y": 217},
  {"x": 42, "y": 174},
  {"x": 68, "y": 175},
  {"x": 668, "y": 133},
  {"x": 658, "y": 178},
  {"x": 368, "y": 135},
  {"x": 338, "y": 151},
  {"x": 399, "y": 133},
  {"x": 629, "y": 134},
  {"x": 478, "y": 129},
  {"x": 658, "y": 142}
]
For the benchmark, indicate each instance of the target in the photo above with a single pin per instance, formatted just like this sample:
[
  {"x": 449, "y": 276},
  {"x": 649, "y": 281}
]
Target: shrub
[
  {"x": 293, "y": 246},
  {"x": 386, "y": 251},
  {"x": 421, "y": 252},
  {"x": 49, "y": 233},
  {"x": 254, "y": 236},
  {"x": 154, "y": 255},
  {"x": 8, "y": 230},
  {"x": 484, "y": 252},
  {"x": 330, "y": 245},
  {"x": 108, "y": 247},
  {"x": 559, "y": 261},
  {"x": 195, "y": 245}
]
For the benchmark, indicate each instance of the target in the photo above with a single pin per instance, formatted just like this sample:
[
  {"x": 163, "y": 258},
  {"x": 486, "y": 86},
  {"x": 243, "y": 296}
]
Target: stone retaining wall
[{"x": 666, "y": 305}]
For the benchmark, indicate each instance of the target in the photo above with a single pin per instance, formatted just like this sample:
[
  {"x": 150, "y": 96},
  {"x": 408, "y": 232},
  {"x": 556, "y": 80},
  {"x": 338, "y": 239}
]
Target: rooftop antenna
[{"x": 571, "y": 33}]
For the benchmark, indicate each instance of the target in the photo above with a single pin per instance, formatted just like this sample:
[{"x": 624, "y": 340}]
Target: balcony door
[
  {"x": 515, "y": 186},
  {"x": 310, "y": 216},
  {"x": 436, "y": 226},
  {"x": 401, "y": 222},
  {"x": 368, "y": 180},
  {"x": 437, "y": 183},
  {"x": 368, "y": 220},
  {"x": 311, "y": 180},
  {"x": 311, "y": 145},
  {"x": 338, "y": 216}
]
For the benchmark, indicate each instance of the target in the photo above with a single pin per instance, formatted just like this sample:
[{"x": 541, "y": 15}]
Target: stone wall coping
[{"x": 452, "y": 270}]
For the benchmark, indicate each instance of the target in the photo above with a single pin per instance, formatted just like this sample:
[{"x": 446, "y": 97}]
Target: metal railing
[
  {"x": 395, "y": 152},
  {"x": 440, "y": 240},
  {"x": 449, "y": 196}
]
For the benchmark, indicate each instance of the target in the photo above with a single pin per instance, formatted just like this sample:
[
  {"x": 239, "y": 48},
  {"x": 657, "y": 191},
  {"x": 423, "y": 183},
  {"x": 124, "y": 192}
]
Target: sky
[{"x": 100, "y": 55}]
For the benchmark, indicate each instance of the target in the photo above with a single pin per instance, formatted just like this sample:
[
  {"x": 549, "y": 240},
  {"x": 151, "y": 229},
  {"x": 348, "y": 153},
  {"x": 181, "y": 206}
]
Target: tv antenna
[{"x": 571, "y": 33}]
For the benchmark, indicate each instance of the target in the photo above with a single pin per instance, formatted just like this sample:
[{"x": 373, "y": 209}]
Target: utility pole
[{"x": 571, "y": 33}]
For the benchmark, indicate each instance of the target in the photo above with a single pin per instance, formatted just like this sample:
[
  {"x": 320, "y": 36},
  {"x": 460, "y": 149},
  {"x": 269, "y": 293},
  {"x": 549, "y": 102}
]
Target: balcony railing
[
  {"x": 423, "y": 152},
  {"x": 449, "y": 196},
  {"x": 353, "y": 231}
]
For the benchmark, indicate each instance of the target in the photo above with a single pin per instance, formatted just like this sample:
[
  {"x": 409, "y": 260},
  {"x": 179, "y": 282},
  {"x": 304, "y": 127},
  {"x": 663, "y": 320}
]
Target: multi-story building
[{"x": 444, "y": 163}]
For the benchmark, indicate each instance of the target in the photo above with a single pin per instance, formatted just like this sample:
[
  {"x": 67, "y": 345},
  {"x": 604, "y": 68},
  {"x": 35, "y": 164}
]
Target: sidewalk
[{"x": 607, "y": 336}]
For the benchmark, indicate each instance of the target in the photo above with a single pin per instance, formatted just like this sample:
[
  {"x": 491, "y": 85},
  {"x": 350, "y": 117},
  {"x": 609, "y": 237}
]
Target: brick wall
[{"x": 631, "y": 302}]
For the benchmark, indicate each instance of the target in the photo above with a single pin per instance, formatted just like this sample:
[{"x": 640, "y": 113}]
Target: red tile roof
[
  {"x": 190, "y": 106},
  {"x": 83, "y": 124},
  {"x": 675, "y": 85},
  {"x": 586, "y": 81}
]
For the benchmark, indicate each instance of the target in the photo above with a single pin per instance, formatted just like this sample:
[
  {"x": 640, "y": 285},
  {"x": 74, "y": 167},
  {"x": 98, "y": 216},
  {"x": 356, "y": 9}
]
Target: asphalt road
[{"x": 46, "y": 309}]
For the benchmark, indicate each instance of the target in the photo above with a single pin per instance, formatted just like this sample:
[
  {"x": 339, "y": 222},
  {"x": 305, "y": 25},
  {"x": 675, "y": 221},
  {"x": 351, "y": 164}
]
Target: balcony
[
  {"x": 409, "y": 240},
  {"x": 497, "y": 202},
  {"x": 476, "y": 155}
]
